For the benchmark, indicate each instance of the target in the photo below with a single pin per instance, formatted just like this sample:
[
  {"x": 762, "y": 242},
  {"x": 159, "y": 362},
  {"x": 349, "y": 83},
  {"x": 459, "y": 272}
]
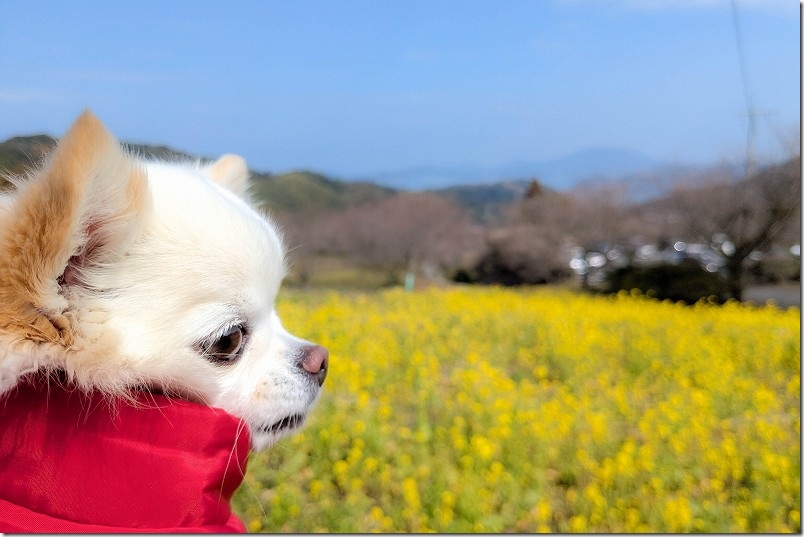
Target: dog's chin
[{"x": 264, "y": 435}]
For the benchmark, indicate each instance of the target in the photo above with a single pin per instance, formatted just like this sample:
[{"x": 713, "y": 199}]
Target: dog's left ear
[{"x": 231, "y": 172}]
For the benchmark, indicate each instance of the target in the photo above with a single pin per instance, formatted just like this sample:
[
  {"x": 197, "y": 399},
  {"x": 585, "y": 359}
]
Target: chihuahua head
[{"x": 124, "y": 273}]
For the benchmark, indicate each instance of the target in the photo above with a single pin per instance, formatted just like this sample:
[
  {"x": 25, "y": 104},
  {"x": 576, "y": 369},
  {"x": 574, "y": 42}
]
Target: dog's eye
[{"x": 225, "y": 348}]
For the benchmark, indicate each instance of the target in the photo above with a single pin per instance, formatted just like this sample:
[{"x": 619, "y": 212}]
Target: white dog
[{"x": 123, "y": 273}]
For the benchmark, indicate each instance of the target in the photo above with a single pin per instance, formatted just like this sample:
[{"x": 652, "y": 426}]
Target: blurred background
[
  {"x": 607, "y": 144},
  {"x": 508, "y": 161}
]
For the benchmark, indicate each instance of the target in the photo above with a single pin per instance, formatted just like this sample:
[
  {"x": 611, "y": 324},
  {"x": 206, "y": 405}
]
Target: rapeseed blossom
[{"x": 485, "y": 410}]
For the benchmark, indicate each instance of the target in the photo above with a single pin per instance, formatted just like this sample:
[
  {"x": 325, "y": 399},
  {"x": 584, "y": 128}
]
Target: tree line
[{"x": 534, "y": 237}]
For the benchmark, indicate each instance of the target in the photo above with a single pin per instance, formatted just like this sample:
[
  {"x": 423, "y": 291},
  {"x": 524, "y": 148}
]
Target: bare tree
[
  {"x": 394, "y": 235},
  {"x": 309, "y": 237},
  {"x": 740, "y": 217},
  {"x": 400, "y": 233},
  {"x": 584, "y": 215},
  {"x": 523, "y": 253},
  {"x": 535, "y": 245}
]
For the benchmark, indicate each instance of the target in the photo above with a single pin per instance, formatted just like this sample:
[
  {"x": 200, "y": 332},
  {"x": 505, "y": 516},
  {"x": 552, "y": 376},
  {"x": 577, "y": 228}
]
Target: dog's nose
[{"x": 315, "y": 360}]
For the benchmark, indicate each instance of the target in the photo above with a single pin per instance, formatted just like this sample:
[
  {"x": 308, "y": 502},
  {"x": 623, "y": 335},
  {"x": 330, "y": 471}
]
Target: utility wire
[
  {"x": 749, "y": 101},
  {"x": 742, "y": 216}
]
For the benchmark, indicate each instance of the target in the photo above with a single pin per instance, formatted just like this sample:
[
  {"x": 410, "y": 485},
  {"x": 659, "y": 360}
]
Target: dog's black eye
[{"x": 226, "y": 348}]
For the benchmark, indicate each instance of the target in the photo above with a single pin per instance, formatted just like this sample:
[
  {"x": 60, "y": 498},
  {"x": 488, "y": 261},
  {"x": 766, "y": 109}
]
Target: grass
[
  {"x": 487, "y": 410},
  {"x": 335, "y": 272}
]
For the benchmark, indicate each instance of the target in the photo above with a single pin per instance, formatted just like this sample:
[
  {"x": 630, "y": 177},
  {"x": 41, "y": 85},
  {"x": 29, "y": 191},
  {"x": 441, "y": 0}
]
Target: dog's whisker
[
  {"x": 232, "y": 451},
  {"x": 286, "y": 448},
  {"x": 243, "y": 426},
  {"x": 297, "y": 247}
]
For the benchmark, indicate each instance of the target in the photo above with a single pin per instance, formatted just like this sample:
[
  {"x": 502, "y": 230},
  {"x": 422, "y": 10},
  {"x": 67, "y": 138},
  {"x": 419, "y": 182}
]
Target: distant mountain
[
  {"x": 482, "y": 192},
  {"x": 560, "y": 173},
  {"x": 565, "y": 172}
]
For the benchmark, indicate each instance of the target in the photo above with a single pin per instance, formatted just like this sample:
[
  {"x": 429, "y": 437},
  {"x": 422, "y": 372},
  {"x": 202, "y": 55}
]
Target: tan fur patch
[
  {"x": 230, "y": 171},
  {"x": 42, "y": 230}
]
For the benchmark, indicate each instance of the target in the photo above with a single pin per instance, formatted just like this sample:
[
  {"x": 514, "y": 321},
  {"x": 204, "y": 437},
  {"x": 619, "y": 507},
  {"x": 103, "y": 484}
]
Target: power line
[{"x": 749, "y": 102}]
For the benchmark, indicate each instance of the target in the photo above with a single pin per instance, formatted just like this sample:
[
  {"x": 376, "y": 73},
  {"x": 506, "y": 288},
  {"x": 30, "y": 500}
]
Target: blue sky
[{"x": 352, "y": 87}]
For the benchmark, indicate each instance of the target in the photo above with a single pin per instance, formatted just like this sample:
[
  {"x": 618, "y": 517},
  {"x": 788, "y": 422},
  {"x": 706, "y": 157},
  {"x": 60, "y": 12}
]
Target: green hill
[
  {"x": 306, "y": 192},
  {"x": 160, "y": 152},
  {"x": 485, "y": 202},
  {"x": 297, "y": 191},
  {"x": 18, "y": 155}
]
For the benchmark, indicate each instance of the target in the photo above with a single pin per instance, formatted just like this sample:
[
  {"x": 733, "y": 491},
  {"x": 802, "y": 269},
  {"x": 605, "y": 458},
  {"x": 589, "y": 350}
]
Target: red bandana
[{"x": 72, "y": 462}]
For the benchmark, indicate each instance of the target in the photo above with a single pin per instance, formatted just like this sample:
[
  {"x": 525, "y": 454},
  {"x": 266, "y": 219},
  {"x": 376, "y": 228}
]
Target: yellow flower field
[{"x": 487, "y": 410}]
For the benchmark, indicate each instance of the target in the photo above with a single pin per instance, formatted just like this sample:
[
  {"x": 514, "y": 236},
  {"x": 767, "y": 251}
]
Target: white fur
[{"x": 197, "y": 259}]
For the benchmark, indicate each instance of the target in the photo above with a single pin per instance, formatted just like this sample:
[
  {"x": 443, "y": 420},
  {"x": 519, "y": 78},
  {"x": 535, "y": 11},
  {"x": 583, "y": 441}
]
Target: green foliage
[
  {"x": 307, "y": 192},
  {"x": 21, "y": 154},
  {"x": 485, "y": 203},
  {"x": 686, "y": 281}
]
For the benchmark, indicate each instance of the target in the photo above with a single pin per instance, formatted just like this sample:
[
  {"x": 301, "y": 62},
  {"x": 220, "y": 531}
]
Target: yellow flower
[
  {"x": 377, "y": 513},
  {"x": 490, "y": 409},
  {"x": 543, "y": 511},
  {"x": 410, "y": 493},
  {"x": 677, "y": 514},
  {"x": 340, "y": 468},
  {"x": 254, "y": 525},
  {"x": 482, "y": 447},
  {"x": 577, "y": 524},
  {"x": 316, "y": 487}
]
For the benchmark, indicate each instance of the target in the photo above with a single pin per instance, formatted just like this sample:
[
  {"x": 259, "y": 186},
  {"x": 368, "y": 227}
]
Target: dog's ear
[
  {"x": 68, "y": 219},
  {"x": 231, "y": 172}
]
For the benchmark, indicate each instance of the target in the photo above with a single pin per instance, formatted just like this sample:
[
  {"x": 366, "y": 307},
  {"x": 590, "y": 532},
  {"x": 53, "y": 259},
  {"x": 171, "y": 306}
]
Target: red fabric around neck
[{"x": 74, "y": 462}]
